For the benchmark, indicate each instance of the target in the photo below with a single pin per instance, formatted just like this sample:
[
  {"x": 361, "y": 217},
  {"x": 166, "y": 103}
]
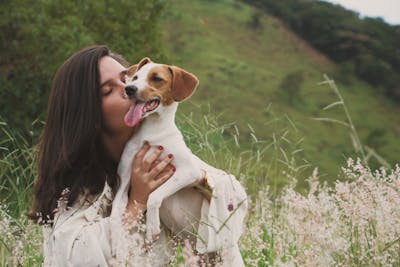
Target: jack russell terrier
[{"x": 157, "y": 89}]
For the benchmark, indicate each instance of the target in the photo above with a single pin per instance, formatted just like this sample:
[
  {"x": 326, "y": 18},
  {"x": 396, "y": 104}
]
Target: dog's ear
[
  {"x": 131, "y": 70},
  {"x": 143, "y": 62},
  {"x": 183, "y": 83},
  {"x": 134, "y": 68}
]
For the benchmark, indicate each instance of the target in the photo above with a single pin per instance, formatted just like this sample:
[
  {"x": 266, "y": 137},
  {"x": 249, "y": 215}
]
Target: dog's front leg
[
  {"x": 178, "y": 181},
  {"x": 153, "y": 208},
  {"x": 124, "y": 171},
  {"x": 153, "y": 217}
]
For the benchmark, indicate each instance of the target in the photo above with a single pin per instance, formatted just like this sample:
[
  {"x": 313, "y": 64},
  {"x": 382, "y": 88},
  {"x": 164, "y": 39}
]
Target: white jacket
[{"x": 85, "y": 234}]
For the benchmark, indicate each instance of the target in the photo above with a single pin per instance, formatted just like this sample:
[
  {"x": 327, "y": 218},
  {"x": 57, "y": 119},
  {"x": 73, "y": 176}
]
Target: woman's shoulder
[{"x": 86, "y": 208}]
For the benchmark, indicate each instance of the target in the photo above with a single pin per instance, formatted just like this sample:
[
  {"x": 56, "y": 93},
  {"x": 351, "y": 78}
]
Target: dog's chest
[{"x": 170, "y": 138}]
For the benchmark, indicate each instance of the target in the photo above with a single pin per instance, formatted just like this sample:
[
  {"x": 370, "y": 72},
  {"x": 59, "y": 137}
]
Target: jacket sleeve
[
  {"x": 81, "y": 234},
  {"x": 222, "y": 217},
  {"x": 79, "y": 237}
]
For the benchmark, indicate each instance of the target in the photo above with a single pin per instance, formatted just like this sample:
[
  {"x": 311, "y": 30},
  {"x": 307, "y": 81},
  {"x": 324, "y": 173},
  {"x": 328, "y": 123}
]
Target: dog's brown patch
[
  {"x": 159, "y": 80},
  {"x": 168, "y": 83},
  {"x": 183, "y": 83}
]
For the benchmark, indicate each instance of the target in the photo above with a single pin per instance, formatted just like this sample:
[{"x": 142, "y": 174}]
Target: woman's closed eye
[
  {"x": 111, "y": 85},
  {"x": 107, "y": 91}
]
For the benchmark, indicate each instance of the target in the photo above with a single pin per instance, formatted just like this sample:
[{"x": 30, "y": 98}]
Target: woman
[{"x": 79, "y": 151}]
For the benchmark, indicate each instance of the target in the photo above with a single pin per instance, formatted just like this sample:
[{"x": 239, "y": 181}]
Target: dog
[{"x": 157, "y": 89}]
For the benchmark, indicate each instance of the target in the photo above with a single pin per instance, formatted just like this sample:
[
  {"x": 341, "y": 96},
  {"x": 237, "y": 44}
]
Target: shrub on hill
[{"x": 37, "y": 36}]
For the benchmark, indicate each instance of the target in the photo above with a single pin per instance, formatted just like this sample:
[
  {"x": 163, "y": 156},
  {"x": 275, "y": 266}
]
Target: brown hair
[{"x": 71, "y": 154}]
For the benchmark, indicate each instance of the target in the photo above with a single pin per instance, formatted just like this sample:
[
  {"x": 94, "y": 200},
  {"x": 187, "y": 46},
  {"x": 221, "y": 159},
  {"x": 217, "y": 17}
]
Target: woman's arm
[{"x": 83, "y": 236}]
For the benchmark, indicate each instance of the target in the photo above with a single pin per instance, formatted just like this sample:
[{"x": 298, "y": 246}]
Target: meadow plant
[
  {"x": 17, "y": 167},
  {"x": 255, "y": 162},
  {"x": 20, "y": 240},
  {"x": 356, "y": 222},
  {"x": 365, "y": 152}
]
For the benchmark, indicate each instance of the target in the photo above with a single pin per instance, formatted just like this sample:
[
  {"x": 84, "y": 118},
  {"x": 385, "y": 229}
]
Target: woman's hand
[{"x": 148, "y": 174}]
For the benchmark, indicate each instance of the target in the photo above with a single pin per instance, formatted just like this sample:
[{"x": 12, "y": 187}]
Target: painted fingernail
[
  {"x": 173, "y": 169},
  {"x": 160, "y": 148},
  {"x": 170, "y": 156}
]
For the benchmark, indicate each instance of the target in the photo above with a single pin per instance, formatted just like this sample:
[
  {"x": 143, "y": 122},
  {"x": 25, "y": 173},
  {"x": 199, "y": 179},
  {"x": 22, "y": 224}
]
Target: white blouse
[{"x": 86, "y": 235}]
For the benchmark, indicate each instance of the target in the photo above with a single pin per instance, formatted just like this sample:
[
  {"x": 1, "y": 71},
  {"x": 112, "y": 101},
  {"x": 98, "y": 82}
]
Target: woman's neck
[{"x": 114, "y": 144}]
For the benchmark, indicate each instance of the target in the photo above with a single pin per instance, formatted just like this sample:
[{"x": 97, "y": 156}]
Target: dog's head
[{"x": 152, "y": 86}]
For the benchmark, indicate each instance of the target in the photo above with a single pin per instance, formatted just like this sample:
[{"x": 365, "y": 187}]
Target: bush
[
  {"x": 290, "y": 87},
  {"x": 255, "y": 20},
  {"x": 37, "y": 36}
]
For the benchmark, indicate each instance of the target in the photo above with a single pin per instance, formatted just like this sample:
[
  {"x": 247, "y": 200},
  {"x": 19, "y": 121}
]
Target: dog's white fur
[{"x": 160, "y": 129}]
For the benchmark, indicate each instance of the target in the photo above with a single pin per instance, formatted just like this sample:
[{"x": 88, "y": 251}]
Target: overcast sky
[{"x": 388, "y": 10}]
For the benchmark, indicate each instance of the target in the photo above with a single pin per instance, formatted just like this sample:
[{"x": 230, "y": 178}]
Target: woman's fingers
[
  {"x": 149, "y": 172},
  {"x": 148, "y": 161},
  {"x": 138, "y": 159},
  {"x": 169, "y": 167},
  {"x": 154, "y": 172},
  {"x": 163, "y": 178}
]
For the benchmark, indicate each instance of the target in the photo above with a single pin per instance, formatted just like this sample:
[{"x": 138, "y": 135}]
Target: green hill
[{"x": 258, "y": 74}]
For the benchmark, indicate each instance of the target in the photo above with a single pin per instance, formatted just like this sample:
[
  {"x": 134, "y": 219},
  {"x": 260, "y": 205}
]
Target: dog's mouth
[{"x": 140, "y": 110}]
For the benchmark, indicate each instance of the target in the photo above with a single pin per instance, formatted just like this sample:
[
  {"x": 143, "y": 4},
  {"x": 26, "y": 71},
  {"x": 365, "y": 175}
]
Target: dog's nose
[{"x": 131, "y": 90}]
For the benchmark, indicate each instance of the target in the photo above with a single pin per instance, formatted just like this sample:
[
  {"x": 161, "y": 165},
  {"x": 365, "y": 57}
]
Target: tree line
[{"x": 367, "y": 47}]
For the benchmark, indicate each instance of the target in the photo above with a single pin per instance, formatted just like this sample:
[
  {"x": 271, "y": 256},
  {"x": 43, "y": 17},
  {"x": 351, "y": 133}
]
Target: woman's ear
[{"x": 183, "y": 83}]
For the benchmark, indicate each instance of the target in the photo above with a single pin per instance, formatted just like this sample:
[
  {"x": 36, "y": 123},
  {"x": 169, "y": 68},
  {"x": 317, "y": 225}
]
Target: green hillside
[{"x": 256, "y": 73}]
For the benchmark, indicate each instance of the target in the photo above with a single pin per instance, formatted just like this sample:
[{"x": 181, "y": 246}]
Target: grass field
[
  {"x": 250, "y": 75},
  {"x": 353, "y": 223}
]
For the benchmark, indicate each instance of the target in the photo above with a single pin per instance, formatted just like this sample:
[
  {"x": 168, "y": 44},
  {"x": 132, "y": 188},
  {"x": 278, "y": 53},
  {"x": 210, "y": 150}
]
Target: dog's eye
[
  {"x": 156, "y": 79},
  {"x": 134, "y": 78}
]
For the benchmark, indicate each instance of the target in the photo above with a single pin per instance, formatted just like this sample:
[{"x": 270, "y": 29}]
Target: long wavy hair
[{"x": 71, "y": 154}]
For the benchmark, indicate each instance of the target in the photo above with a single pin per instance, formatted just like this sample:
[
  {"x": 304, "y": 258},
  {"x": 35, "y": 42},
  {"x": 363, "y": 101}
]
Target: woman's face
[{"x": 114, "y": 104}]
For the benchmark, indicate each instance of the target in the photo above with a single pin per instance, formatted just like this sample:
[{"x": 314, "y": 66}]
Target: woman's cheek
[{"x": 111, "y": 115}]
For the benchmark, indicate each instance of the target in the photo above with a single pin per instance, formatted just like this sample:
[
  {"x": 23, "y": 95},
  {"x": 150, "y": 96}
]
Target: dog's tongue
[{"x": 134, "y": 114}]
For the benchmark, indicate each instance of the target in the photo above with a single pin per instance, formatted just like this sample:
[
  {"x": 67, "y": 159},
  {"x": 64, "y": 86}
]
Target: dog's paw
[
  {"x": 152, "y": 235},
  {"x": 156, "y": 237}
]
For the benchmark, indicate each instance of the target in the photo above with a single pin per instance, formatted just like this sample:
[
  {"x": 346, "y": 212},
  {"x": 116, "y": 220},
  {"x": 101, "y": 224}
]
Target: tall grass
[
  {"x": 271, "y": 162},
  {"x": 20, "y": 240},
  {"x": 17, "y": 166},
  {"x": 365, "y": 152},
  {"x": 356, "y": 222}
]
